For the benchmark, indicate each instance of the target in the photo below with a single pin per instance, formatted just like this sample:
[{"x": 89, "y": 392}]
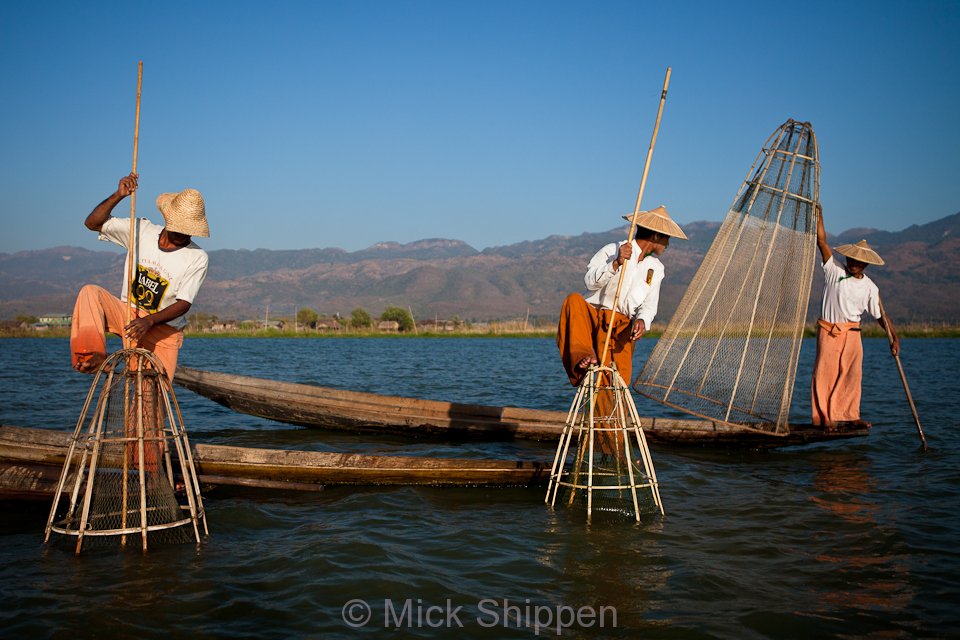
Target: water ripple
[{"x": 847, "y": 539}]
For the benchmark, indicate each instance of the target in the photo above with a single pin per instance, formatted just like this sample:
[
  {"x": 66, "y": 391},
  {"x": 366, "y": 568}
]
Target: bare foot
[
  {"x": 586, "y": 363},
  {"x": 580, "y": 369},
  {"x": 89, "y": 362},
  {"x": 861, "y": 423}
]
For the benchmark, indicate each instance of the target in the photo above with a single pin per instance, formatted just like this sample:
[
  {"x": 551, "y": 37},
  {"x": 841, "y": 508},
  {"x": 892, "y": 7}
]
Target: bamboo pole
[
  {"x": 131, "y": 299},
  {"x": 903, "y": 376},
  {"x": 586, "y": 446},
  {"x": 636, "y": 212},
  {"x": 131, "y": 303}
]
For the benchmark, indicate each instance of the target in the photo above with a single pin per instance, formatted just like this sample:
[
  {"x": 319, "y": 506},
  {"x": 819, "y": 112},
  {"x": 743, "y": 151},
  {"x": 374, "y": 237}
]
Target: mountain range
[{"x": 446, "y": 278}]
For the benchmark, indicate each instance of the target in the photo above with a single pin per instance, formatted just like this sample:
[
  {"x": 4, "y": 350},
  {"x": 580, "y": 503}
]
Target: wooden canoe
[
  {"x": 31, "y": 461},
  {"x": 354, "y": 411}
]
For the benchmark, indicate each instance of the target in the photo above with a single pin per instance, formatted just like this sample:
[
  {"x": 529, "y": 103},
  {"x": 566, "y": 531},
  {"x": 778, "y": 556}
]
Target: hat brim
[
  {"x": 188, "y": 227},
  {"x": 867, "y": 256},
  {"x": 198, "y": 230},
  {"x": 652, "y": 221}
]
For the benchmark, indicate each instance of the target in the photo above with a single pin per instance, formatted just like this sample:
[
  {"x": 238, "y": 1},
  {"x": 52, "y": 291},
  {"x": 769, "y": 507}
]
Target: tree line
[
  {"x": 361, "y": 318},
  {"x": 306, "y": 317}
]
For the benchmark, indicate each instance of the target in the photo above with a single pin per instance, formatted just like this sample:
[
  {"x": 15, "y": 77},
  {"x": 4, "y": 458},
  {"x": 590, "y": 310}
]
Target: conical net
[
  {"x": 125, "y": 476},
  {"x": 730, "y": 351},
  {"x": 602, "y": 463}
]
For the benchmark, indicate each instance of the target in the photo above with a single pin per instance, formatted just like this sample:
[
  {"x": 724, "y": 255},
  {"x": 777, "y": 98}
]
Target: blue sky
[{"x": 342, "y": 124}]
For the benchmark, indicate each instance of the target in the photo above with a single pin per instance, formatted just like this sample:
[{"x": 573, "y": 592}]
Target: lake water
[{"x": 848, "y": 539}]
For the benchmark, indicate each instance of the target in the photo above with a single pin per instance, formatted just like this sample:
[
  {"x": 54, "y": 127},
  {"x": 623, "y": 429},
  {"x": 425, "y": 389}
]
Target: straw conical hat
[
  {"x": 658, "y": 220},
  {"x": 184, "y": 212},
  {"x": 860, "y": 251}
]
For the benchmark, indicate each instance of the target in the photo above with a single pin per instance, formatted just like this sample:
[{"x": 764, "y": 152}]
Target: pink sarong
[{"x": 837, "y": 373}]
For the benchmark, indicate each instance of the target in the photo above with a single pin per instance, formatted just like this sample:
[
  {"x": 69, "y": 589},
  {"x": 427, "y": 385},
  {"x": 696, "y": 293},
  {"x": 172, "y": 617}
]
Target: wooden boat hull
[
  {"x": 31, "y": 461},
  {"x": 353, "y": 411},
  {"x": 324, "y": 407}
]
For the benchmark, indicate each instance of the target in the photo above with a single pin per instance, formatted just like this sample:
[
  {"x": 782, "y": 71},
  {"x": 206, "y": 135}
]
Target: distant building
[
  {"x": 388, "y": 325},
  {"x": 438, "y": 325},
  {"x": 54, "y": 320},
  {"x": 327, "y": 324}
]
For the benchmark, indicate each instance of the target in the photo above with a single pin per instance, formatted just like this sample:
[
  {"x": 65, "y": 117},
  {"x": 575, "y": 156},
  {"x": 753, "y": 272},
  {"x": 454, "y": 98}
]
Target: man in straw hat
[
  {"x": 169, "y": 271},
  {"x": 847, "y": 294},
  {"x": 584, "y": 319}
]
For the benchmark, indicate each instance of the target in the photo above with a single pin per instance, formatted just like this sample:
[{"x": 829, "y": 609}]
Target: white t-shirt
[
  {"x": 640, "y": 294},
  {"x": 845, "y": 298},
  {"x": 163, "y": 277}
]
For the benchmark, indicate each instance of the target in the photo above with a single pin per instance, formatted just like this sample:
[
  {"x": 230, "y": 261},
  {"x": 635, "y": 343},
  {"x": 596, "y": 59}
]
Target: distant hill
[{"x": 445, "y": 278}]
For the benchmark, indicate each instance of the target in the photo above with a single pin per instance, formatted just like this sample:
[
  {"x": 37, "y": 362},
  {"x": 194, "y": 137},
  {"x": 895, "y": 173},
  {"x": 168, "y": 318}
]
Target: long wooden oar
[
  {"x": 903, "y": 376},
  {"x": 131, "y": 299},
  {"x": 636, "y": 212}
]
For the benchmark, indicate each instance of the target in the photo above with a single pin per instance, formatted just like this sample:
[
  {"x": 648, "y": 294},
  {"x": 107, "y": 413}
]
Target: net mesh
[
  {"x": 603, "y": 464},
  {"x": 126, "y": 472},
  {"x": 730, "y": 351}
]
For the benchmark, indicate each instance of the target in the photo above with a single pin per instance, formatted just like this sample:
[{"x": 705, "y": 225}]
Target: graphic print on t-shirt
[{"x": 149, "y": 289}]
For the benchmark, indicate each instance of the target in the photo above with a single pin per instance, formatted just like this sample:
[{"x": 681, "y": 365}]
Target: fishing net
[
  {"x": 730, "y": 351},
  {"x": 128, "y": 469},
  {"x": 609, "y": 460}
]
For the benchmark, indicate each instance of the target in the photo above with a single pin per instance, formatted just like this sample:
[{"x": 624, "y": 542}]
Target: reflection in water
[
  {"x": 839, "y": 540},
  {"x": 856, "y": 552},
  {"x": 609, "y": 562}
]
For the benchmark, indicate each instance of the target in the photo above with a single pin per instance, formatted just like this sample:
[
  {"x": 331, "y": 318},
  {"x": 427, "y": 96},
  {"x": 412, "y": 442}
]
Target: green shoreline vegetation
[
  {"x": 491, "y": 330},
  {"x": 396, "y": 322}
]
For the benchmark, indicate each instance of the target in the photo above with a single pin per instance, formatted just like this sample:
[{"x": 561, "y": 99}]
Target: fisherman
[
  {"x": 584, "y": 319},
  {"x": 847, "y": 294},
  {"x": 170, "y": 270}
]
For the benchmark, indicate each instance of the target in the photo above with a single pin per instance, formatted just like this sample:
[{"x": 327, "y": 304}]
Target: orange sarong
[
  {"x": 837, "y": 373},
  {"x": 581, "y": 333},
  {"x": 97, "y": 312}
]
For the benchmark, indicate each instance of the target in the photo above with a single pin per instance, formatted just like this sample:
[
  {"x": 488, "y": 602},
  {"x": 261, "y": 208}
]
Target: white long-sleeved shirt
[{"x": 640, "y": 294}]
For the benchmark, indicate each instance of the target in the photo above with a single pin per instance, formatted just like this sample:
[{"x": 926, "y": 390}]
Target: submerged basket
[
  {"x": 129, "y": 469},
  {"x": 609, "y": 469},
  {"x": 730, "y": 351}
]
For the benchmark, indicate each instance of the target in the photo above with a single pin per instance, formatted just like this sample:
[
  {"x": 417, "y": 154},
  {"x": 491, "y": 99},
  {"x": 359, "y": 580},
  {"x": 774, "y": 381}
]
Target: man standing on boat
[
  {"x": 584, "y": 318},
  {"x": 847, "y": 294},
  {"x": 170, "y": 268}
]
